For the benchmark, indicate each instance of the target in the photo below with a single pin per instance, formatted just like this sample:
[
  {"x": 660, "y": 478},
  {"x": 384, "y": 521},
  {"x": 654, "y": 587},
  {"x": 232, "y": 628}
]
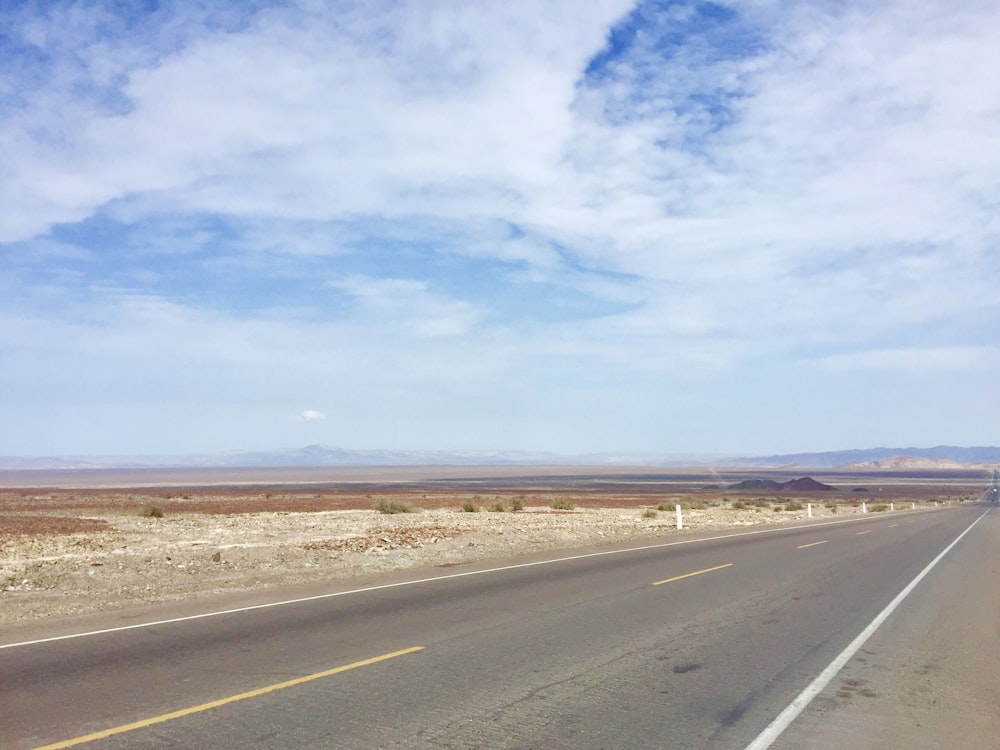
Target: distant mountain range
[
  {"x": 321, "y": 455},
  {"x": 902, "y": 458}
]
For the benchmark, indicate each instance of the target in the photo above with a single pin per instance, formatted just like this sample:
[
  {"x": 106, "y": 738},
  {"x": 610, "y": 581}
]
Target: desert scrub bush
[
  {"x": 664, "y": 506},
  {"x": 561, "y": 503},
  {"x": 497, "y": 507},
  {"x": 793, "y": 505},
  {"x": 739, "y": 505},
  {"x": 390, "y": 507},
  {"x": 692, "y": 505},
  {"x": 517, "y": 504},
  {"x": 152, "y": 511},
  {"x": 649, "y": 513},
  {"x": 470, "y": 507},
  {"x": 779, "y": 509},
  {"x": 880, "y": 508}
]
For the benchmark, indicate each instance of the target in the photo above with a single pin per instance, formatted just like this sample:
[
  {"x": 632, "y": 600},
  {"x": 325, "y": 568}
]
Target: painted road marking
[
  {"x": 893, "y": 525},
  {"x": 224, "y": 701},
  {"x": 695, "y": 573},
  {"x": 782, "y": 721},
  {"x": 869, "y": 531},
  {"x": 811, "y": 544}
]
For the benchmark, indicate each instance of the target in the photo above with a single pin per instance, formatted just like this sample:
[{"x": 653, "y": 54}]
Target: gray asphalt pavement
[
  {"x": 930, "y": 677},
  {"x": 695, "y": 645}
]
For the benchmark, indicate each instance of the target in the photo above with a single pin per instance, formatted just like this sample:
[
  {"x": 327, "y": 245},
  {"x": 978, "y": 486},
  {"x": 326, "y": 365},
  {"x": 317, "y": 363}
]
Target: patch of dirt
[
  {"x": 31, "y": 525},
  {"x": 68, "y": 552},
  {"x": 414, "y": 538}
]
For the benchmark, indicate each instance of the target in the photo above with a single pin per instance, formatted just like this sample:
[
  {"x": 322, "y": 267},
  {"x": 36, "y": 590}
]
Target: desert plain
[{"x": 77, "y": 543}]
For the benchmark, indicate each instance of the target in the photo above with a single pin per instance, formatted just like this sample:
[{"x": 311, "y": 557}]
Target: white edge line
[
  {"x": 288, "y": 602},
  {"x": 791, "y": 712}
]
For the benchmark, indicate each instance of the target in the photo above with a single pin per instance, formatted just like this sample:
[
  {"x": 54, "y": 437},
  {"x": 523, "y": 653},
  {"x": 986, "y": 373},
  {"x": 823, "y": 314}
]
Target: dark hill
[{"x": 802, "y": 484}]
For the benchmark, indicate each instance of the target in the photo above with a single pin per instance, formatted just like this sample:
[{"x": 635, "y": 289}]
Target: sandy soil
[{"x": 74, "y": 552}]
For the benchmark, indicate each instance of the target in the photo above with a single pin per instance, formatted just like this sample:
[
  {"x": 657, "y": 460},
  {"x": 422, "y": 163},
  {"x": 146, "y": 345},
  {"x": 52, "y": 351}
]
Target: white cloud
[
  {"x": 392, "y": 108},
  {"x": 310, "y": 415}
]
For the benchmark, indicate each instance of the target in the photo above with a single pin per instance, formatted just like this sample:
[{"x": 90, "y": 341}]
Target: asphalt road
[{"x": 692, "y": 645}]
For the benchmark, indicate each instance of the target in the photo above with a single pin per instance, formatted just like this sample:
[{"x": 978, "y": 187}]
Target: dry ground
[{"x": 66, "y": 552}]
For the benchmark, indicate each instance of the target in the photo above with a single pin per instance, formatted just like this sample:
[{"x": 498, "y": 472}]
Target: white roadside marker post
[
  {"x": 809, "y": 510},
  {"x": 680, "y": 520}
]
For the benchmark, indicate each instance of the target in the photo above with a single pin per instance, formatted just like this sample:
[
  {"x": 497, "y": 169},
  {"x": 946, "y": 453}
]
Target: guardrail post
[
  {"x": 864, "y": 507},
  {"x": 680, "y": 519},
  {"x": 892, "y": 506},
  {"x": 809, "y": 510}
]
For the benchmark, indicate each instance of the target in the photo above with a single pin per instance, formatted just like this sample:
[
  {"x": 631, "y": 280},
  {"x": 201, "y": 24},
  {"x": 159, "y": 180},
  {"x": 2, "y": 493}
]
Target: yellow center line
[
  {"x": 869, "y": 531},
  {"x": 695, "y": 573},
  {"x": 811, "y": 544},
  {"x": 223, "y": 701}
]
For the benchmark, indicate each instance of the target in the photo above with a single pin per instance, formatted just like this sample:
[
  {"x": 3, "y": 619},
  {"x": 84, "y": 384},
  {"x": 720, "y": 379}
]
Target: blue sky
[{"x": 663, "y": 227}]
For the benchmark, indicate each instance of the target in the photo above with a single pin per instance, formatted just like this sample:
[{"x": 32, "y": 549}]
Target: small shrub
[
  {"x": 692, "y": 505},
  {"x": 517, "y": 504},
  {"x": 152, "y": 511},
  {"x": 561, "y": 503},
  {"x": 390, "y": 507},
  {"x": 881, "y": 508},
  {"x": 664, "y": 507},
  {"x": 497, "y": 507},
  {"x": 794, "y": 506},
  {"x": 740, "y": 505},
  {"x": 649, "y": 513},
  {"x": 779, "y": 508},
  {"x": 470, "y": 507}
]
